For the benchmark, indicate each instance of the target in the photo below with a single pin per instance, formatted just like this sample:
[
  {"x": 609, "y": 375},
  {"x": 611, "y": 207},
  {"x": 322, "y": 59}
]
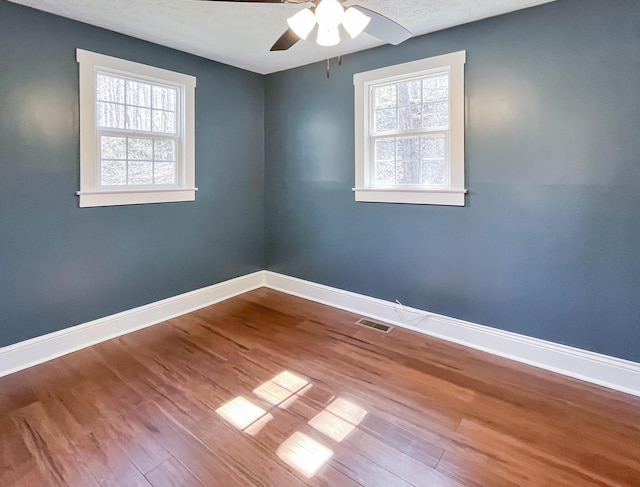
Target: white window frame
[
  {"x": 92, "y": 193},
  {"x": 365, "y": 190}
]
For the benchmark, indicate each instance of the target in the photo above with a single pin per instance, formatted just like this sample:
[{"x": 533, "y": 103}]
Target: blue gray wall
[
  {"x": 549, "y": 242},
  {"x": 61, "y": 265}
]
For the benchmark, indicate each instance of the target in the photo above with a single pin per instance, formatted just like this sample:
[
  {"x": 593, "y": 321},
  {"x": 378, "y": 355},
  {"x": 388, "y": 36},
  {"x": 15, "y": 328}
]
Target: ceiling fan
[{"x": 328, "y": 17}]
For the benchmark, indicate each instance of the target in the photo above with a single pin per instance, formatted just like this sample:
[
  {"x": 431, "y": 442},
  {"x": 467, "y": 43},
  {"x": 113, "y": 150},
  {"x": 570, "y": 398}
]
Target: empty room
[{"x": 329, "y": 243}]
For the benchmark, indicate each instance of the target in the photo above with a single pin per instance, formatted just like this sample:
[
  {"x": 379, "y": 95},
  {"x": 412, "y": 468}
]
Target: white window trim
[
  {"x": 91, "y": 194},
  {"x": 454, "y": 195}
]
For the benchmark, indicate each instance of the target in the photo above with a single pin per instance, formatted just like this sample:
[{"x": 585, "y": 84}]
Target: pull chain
[{"x": 329, "y": 66}]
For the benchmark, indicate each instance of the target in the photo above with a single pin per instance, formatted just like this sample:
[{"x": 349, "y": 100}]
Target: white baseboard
[
  {"x": 615, "y": 373},
  {"x": 47, "y": 347},
  {"x": 611, "y": 372}
]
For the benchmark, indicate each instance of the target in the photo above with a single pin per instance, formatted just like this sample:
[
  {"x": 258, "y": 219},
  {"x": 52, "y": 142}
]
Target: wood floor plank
[
  {"x": 203, "y": 463},
  {"x": 26, "y": 474},
  {"x": 480, "y": 471},
  {"x": 253, "y": 391},
  {"x": 559, "y": 466},
  {"x": 171, "y": 473},
  {"x": 55, "y": 458},
  {"x": 16, "y": 393},
  {"x": 14, "y": 454},
  {"x": 407, "y": 468},
  {"x": 131, "y": 367}
]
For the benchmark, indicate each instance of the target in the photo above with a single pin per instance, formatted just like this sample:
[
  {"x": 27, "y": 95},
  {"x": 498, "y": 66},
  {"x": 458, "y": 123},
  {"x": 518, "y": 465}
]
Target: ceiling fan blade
[
  {"x": 286, "y": 40},
  {"x": 383, "y": 27}
]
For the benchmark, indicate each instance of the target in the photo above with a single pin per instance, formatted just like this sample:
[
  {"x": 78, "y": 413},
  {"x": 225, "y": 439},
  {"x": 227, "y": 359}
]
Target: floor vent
[{"x": 375, "y": 325}]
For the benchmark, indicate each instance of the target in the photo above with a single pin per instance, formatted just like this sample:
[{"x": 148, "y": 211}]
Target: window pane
[
  {"x": 164, "y": 122},
  {"x": 384, "y": 96},
  {"x": 435, "y": 115},
  {"x": 435, "y": 88},
  {"x": 433, "y": 172},
  {"x": 408, "y": 172},
  {"x": 138, "y": 94},
  {"x": 409, "y": 93},
  {"x": 113, "y": 173},
  {"x": 386, "y": 120},
  {"x": 164, "y": 98},
  {"x": 109, "y": 88},
  {"x": 164, "y": 173},
  {"x": 408, "y": 160},
  {"x": 110, "y": 115},
  {"x": 164, "y": 150},
  {"x": 385, "y": 150},
  {"x": 408, "y": 148},
  {"x": 433, "y": 146},
  {"x": 140, "y": 172},
  {"x": 385, "y": 172},
  {"x": 139, "y": 119},
  {"x": 410, "y": 117},
  {"x": 113, "y": 147},
  {"x": 140, "y": 149}
]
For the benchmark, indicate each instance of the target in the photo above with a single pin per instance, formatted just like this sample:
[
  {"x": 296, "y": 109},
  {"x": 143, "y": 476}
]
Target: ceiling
[{"x": 241, "y": 34}]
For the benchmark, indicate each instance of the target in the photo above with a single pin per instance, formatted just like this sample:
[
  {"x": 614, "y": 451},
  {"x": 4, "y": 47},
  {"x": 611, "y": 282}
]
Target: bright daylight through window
[
  {"x": 410, "y": 132},
  {"x": 136, "y": 133}
]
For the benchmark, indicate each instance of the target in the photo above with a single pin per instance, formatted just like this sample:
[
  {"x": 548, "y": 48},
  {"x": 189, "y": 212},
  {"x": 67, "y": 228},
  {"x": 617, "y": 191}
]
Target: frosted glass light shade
[
  {"x": 329, "y": 13},
  {"x": 354, "y": 21},
  {"x": 328, "y": 36},
  {"x": 302, "y": 23}
]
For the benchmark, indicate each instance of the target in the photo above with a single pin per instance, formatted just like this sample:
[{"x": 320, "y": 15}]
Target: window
[
  {"x": 410, "y": 132},
  {"x": 137, "y": 141}
]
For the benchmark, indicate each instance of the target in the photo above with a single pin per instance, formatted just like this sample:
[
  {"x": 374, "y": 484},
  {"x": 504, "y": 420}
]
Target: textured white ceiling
[{"x": 241, "y": 34}]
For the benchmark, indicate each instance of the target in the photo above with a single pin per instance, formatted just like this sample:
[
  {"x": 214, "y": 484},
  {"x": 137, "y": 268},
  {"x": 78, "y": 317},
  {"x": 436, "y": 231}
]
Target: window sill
[
  {"x": 445, "y": 197},
  {"x": 137, "y": 197}
]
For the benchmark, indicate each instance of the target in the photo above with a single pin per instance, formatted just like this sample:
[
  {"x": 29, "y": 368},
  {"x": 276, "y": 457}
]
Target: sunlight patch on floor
[
  {"x": 338, "y": 419},
  {"x": 241, "y": 412},
  {"x": 301, "y": 452},
  {"x": 304, "y": 454}
]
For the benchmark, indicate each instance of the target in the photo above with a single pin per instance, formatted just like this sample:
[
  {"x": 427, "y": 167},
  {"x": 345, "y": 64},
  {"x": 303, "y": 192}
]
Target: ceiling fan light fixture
[
  {"x": 329, "y": 13},
  {"x": 354, "y": 21},
  {"x": 328, "y": 36},
  {"x": 302, "y": 23}
]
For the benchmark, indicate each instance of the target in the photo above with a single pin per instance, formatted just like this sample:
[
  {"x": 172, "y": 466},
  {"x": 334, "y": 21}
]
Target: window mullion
[
  {"x": 126, "y": 118},
  {"x": 126, "y": 155},
  {"x": 153, "y": 161},
  {"x": 420, "y": 133},
  {"x": 395, "y": 160},
  {"x": 131, "y": 133}
]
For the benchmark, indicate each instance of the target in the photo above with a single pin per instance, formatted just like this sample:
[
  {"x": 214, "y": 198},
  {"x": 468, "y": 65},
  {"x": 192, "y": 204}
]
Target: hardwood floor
[{"x": 269, "y": 389}]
